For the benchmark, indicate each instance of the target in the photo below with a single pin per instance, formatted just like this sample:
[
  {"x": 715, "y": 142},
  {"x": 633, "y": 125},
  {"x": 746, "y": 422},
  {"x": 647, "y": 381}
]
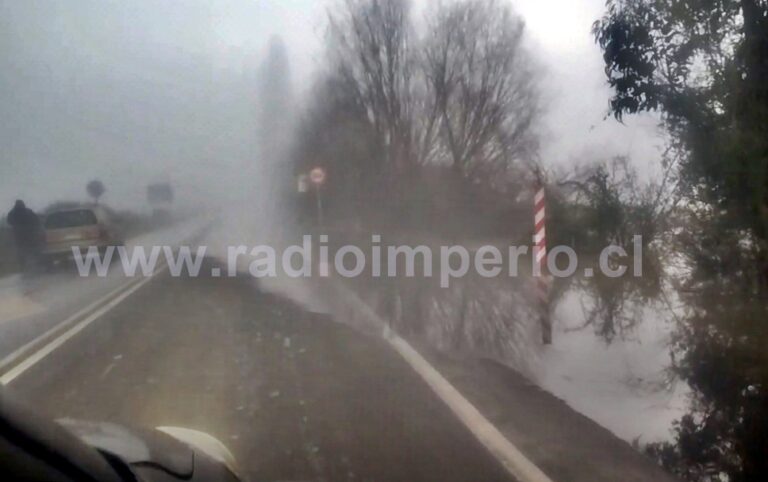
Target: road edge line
[
  {"x": 10, "y": 361},
  {"x": 102, "y": 308},
  {"x": 505, "y": 452},
  {"x": 12, "y": 358},
  {"x": 513, "y": 460}
]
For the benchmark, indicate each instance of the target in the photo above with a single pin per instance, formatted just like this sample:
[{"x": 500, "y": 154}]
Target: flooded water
[
  {"x": 610, "y": 365},
  {"x": 625, "y": 384}
]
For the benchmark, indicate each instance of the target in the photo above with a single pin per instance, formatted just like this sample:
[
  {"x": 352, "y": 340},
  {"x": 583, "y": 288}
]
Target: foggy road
[
  {"x": 33, "y": 303},
  {"x": 294, "y": 395},
  {"x": 465, "y": 240}
]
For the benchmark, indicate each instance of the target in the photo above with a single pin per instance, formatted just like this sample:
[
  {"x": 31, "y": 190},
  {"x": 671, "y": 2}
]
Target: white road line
[
  {"x": 27, "y": 363},
  {"x": 128, "y": 287},
  {"x": 19, "y": 352},
  {"x": 513, "y": 460}
]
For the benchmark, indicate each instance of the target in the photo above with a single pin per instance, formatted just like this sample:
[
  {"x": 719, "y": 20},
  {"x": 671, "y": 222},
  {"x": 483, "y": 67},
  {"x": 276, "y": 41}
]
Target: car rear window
[{"x": 70, "y": 219}]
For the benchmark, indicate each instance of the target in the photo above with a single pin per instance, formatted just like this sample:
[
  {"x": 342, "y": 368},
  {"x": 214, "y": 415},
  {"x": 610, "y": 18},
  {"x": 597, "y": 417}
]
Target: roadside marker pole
[{"x": 540, "y": 252}]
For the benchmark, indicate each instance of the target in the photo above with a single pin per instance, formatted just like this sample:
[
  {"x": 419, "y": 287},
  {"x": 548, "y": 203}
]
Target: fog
[
  {"x": 429, "y": 131},
  {"x": 138, "y": 92}
]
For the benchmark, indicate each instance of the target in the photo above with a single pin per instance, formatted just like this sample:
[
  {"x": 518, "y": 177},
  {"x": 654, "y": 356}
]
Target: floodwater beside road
[{"x": 622, "y": 382}]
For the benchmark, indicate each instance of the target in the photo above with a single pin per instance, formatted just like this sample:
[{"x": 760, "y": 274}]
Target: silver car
[{"x": 78, "y": 227}]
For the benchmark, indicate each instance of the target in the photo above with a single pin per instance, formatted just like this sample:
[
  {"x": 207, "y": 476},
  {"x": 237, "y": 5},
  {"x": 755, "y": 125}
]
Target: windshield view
[{"x": 384, "y": 240}]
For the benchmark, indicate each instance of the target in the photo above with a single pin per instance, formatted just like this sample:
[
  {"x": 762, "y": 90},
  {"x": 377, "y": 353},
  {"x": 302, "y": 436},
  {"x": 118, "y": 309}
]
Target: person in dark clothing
[{"x": 27, "y": 233}]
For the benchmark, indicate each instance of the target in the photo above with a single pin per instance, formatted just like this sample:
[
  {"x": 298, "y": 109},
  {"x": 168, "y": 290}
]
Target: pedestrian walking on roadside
[{"x": 27, "y": 234}]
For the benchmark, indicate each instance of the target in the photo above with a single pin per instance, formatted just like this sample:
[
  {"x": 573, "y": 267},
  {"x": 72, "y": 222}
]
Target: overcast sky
[{"x": 139, "y": 91}]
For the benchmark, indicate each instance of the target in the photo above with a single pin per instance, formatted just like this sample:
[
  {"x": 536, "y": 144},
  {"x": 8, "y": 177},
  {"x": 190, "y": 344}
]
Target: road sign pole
[
  {"x": 317, "y": 177},
  {"x": 319, "y": 198}
]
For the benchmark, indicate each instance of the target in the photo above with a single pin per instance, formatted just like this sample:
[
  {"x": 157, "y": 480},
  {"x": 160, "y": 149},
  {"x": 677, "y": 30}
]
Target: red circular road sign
[{"x": 317, "y": 175}]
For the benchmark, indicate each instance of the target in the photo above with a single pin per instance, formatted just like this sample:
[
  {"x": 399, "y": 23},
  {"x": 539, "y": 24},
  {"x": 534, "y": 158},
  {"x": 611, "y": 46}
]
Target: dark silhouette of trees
[
  {"x": 481, "y": 84},
  {"x": 400, "y": 115},
  {"x": 703, "y": 66}
]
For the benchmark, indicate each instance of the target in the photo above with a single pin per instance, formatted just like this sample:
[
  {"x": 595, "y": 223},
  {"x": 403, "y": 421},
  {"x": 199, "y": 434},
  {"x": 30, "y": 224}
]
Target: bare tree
[
  {"x": 370, "y": 48},
  {"x": 461, "y": 94},
  {"x": 483, "y": 86}
]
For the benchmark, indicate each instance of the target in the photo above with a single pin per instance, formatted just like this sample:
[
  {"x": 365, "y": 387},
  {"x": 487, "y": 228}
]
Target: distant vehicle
[
  {"x": 81, "y": 227},
  {"x": 160, "y": 197},
  {"x": 33, "y": 448}
]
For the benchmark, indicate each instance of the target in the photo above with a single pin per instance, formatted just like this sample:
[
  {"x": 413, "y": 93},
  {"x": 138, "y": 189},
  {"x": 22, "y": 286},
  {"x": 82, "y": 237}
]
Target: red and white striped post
[{"x": 540, "y": 263}]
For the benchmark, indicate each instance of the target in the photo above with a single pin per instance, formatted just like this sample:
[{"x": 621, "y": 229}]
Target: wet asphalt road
[{"x": 296, "y": 396}]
